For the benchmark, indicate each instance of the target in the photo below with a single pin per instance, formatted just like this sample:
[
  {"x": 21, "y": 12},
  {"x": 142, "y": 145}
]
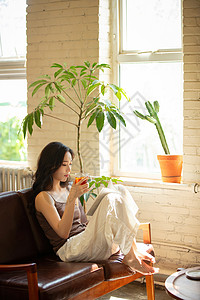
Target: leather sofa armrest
[
  {"x": 146, "y": 232},
  {"x": 31, "y": 270}
]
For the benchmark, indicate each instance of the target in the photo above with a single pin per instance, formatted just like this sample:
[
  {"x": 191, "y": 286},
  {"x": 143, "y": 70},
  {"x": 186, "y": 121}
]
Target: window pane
[
  {"x": 12, "y": 110},
  {"x": 139, "y": 141},
  {"x": 12, "y": 28},
  {"x": 151, "y": 24}
]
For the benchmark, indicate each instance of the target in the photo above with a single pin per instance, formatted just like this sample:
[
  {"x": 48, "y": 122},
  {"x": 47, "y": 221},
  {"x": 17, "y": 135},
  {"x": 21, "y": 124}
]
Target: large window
[
  {"x": 12, "y": 78},
  {"x": 149, "y": 58}
]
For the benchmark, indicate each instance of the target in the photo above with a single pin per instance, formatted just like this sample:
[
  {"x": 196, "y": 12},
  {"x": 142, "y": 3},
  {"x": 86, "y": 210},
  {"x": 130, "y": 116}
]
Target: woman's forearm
[{"x": 65, "y": 224}]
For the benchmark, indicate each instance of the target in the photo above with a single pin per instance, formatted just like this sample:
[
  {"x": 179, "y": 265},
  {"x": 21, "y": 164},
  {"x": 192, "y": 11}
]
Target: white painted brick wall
[
  {"x": 61, "y": 31},
  {"x": 175, "y": 221}
]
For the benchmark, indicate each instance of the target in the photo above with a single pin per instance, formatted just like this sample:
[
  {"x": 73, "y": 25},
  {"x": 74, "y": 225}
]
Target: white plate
[{"x": 193, "y": 274}]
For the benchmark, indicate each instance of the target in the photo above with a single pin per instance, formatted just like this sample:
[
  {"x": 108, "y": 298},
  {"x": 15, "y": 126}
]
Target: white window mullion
[
  {"x": 149, "y": 57},
  {"x": 12, "y": 69}
]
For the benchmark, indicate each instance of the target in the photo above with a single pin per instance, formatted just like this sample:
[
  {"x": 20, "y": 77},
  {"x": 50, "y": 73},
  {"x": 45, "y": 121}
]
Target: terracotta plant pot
[{"x": 171, "y": 167}]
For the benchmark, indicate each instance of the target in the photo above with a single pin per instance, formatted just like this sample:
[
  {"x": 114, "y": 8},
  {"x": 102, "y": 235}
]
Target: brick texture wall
[
  {"x": 63, "y": 31},
  {"x": 76, "y": 30},
  {"x": 191, "y": 59}
]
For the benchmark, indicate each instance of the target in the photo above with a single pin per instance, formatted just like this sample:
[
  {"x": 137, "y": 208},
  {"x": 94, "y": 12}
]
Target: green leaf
[
  {"x": 57, "y": 87},
  {"x": 103, "y": 89},
  {"x": 102, "y": 104},
  {"x": 47, "y": 91},
  {"x": 114, "y": 87},
  {"x": 81, "y": 199},
  {"x": 119, "y": 117},
  {"x": 81, "y": 67},
  {"x": 51, "y": 88},
  {"x": 51, "y": 103},
  {"x": 25, "y": 123},
  {"x": 100, "y": 120},
  {"x": 91, "y": 183},
  {"x": 37, "y": 88},
  {"x": 73, "y": 82},
  {"x": 111, "y": 119},
  {"x": 37, "y": 118},
  {"x": 92, "y": 117},
  {"x": 87, "y": 63},
  {"x": 94, "y": 64},
  {"x": 65, "y": 77},
  {"x": 92, "y": 88},
  {"x": 30, "y": 123},
  {"x": 61, "y": 98},
  {"x": 156, "y": 106},
  {"x": 139, "y": 115},
  {"x": 124, "y": 93},
  {"x": 56, "y": 66},
  {"x": 89, "y": 77},
  {"x": 96, "y": 99},
  {"x": 73, "y": 69},
  {"x": 84, "y": 83},
  {"x": 102, "y": 67},
  {"x": 93, "y": 194},
  {"x": 37, "y": 82},
  {"x": 58, "y": 72},
  {"x": 150, "y": 108},
  {"x": 96, "y": 81},
  {"x": 97, "y": 185},
  {"x": 45, "y": 76},
  {"x": 91, "y": 107},
  {"x": 116, "y": 180},
  {"x": 82, "y": 73},
  {"x": 71, "y": 75},
  {"x": 41, "y": 111},
  {"x": 119, "y": 95}
]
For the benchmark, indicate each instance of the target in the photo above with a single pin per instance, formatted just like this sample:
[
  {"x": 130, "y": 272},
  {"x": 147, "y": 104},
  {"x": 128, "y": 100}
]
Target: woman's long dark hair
[{"x": 50, "y": 159}]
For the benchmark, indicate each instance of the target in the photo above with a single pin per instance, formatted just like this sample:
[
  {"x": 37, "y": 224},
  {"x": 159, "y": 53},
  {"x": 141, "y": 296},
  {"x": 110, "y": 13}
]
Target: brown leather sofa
[{"x": 30, "y": 270}]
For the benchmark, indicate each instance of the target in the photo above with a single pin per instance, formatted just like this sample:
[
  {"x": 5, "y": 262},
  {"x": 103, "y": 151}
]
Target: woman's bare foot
[
  {"x": 141, "y": 255},
  {"x": 135, "y": 259},
  {"x": 142, "y": 267}
]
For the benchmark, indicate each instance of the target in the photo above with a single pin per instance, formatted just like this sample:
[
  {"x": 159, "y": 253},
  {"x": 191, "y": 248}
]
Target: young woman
[{"x": 62, "y": 218}]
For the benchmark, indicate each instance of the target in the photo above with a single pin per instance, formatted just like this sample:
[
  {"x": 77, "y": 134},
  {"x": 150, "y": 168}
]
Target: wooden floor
[{"x": 135, "y": 291}]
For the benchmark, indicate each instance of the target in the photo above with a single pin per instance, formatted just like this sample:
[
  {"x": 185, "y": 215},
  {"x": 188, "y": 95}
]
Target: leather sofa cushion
[
  {"x": 114, "y": 267},
  {"x": 56, "y": 280},
  {"x": 42, "y": 243},
  {"x": 16, "y": 240}
]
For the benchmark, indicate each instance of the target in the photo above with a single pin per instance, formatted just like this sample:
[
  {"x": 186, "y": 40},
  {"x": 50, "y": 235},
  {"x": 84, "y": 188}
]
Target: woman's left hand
[{"x": 79, "y": 188}]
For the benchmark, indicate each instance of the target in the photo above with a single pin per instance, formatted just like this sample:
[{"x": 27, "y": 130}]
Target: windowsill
[
  {"x": 128, "y": 181},
  {"x": 158, "y": 184}
]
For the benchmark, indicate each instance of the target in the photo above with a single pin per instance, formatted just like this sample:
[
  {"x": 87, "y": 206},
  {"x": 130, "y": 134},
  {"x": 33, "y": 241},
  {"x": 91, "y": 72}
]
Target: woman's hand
[{"x": 79, "y": 188}]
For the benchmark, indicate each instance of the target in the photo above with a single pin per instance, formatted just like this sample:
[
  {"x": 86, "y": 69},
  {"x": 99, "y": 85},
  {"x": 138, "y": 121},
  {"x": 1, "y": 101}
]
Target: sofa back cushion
[
  {"x": 16, "y": 238},
  {"x": 42, "y": 243}
]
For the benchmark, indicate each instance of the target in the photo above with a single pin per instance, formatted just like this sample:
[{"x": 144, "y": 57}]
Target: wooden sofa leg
[
  {"x": 32, "y": 284},
  {"x": 150, "y": 287}
]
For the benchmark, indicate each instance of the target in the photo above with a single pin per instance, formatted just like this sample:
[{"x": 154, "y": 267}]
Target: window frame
[
  {"x": 11, "y": 68},
  {"x": 131, "y": 56}
]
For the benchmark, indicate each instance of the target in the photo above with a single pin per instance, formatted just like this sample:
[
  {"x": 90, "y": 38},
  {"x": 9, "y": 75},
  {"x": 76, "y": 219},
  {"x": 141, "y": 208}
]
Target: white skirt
[{"x": 113, "y": 226}]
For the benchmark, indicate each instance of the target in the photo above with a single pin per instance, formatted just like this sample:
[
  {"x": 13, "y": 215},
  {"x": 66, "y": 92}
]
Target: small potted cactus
[{"x": 171, "y": 165}]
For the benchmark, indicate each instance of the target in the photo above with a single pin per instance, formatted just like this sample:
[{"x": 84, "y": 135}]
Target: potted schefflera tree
[
  {"x": 170, "y": 165},
  {"x": 77, "y": 89}
]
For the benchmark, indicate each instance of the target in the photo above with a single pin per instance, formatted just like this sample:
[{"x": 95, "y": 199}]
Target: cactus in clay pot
[{"x": 153, "y": 110}]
